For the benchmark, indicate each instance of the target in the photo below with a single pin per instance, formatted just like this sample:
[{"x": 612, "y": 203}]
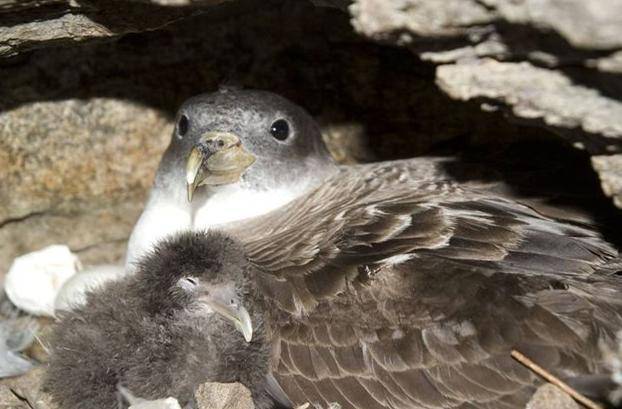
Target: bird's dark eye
[
  {"x": 280, "y": 129},
  {"x": 182, "y": 125}
]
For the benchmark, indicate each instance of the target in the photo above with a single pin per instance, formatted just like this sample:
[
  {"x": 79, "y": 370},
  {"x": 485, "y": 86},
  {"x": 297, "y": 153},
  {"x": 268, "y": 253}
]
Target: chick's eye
[
  {"x": 188, "y": 283},
  {"x": 182, "y": 125},
  {"x": 280, "y": 129}
]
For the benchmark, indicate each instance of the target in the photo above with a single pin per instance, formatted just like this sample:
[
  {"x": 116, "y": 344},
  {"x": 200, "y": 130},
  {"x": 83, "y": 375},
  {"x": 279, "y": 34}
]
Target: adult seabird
[
  {"x": 390, "y": 285},
  {"x": 282, "y": 171},
  {"x": 176, "y": 323}
]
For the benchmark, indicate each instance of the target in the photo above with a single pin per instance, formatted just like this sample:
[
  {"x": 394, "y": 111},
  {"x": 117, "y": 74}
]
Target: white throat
[
  {"x": 233, "y": 202},
  {"x": 167, "y": 213}
]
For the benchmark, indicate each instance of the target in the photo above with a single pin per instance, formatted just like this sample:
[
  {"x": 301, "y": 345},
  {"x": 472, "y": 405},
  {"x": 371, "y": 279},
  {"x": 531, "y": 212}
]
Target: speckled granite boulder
[{"x": 75, "y": 172}]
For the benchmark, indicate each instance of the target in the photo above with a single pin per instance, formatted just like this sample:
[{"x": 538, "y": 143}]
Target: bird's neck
[
  {"x": 168, "y": 210},
  {"x": 232, "y": 203}
]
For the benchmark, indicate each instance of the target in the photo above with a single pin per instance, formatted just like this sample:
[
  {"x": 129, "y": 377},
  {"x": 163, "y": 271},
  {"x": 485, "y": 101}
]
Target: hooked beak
[
  {"x": 233, "y": 311},
  {"x": 218, "y": 158}
]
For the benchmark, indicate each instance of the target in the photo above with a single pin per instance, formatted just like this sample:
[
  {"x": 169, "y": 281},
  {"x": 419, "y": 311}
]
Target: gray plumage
[
  {"x": 150, "y": 332},
  {"x": 388, "y": 290},
  {"x": 393, "y": 285}
]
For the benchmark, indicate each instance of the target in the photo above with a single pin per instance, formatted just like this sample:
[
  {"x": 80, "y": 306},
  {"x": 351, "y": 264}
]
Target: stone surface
[
  {"x": 347, "y": 143},
  {"x": 584, "y": 23},
  {"x": 595, "y": 24},
  {"x": 223, "y": 396},
  {"x": 28, "y": 389},
  {"x": 76, "y": 150},
  {"x": 66, "y": 22},
  {"x": 8, "y": 400},
  {"x": 537, "y": 93},
  {"x": 549, "y": 396},
  {"x": 77, "y": 174},
  {"x": 379, "y": 19},
  {"x": 611, "y": 63},
  {"x": 565, "y": 58},
  {"x": 68, "y": 27},
  {"x": 25, "y": 392},
  {"x": 609, "y": 168}
]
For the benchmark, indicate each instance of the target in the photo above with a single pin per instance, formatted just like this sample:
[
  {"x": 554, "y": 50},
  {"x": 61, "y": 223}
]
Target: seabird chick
[{"x": 178, "y": 322}]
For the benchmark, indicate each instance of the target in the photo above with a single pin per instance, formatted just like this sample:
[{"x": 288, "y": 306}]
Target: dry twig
[{"x": 549, "y": 377}]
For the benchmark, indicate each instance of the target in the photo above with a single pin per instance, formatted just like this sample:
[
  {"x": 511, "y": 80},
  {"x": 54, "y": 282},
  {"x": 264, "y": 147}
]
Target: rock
[
  {"x": 549, "y": 396},
  {"x": 34, "y": 279},
  {"x": 347, "y": 143},
  {"x": 609, "y": 168},
  {"x": 611, "y": 63},
  {"x": 66, "y": 28},
  {"x": 223, "y": 396},
  {"x": 564, "y": 58},
  {"x": 80, "y": 166},
  {"x": 536, "y": 93},
  {"x": 382, "y": 20},
  {"x": 70, "y": 21},
  {"x": 28, "y": 388},
  {"x": 8, "y": 400},
  {"x": 600, "y": 24}
]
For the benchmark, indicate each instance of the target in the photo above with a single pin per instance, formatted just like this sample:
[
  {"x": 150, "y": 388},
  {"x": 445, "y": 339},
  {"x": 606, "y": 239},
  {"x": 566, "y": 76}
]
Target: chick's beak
[
  {"x": 218, "y": 158},
  {"x": 230, "y": 308}
]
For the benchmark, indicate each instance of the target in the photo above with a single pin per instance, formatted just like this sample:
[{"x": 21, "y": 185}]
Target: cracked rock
[{"x": 8, "y": 400}]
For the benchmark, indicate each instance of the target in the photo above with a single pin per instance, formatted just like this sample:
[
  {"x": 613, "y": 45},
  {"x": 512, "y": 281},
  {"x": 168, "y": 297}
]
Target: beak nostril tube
[{"x": 218, "y": 158}]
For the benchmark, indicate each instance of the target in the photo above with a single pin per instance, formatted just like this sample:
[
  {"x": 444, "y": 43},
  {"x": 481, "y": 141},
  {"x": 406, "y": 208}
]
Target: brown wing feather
[{"x": 387, "y": 290}]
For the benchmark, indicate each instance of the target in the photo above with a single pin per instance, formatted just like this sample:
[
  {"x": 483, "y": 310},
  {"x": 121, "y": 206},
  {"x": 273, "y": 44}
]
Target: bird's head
[
  {"x": 198, "y": 275},
  {"x": 255, "y": 139}
]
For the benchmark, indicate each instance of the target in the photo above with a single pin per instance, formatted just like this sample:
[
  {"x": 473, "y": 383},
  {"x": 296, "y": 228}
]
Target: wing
[
  {"x": 372, "y": 216},
  {"x": 392, "y": 290}
]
